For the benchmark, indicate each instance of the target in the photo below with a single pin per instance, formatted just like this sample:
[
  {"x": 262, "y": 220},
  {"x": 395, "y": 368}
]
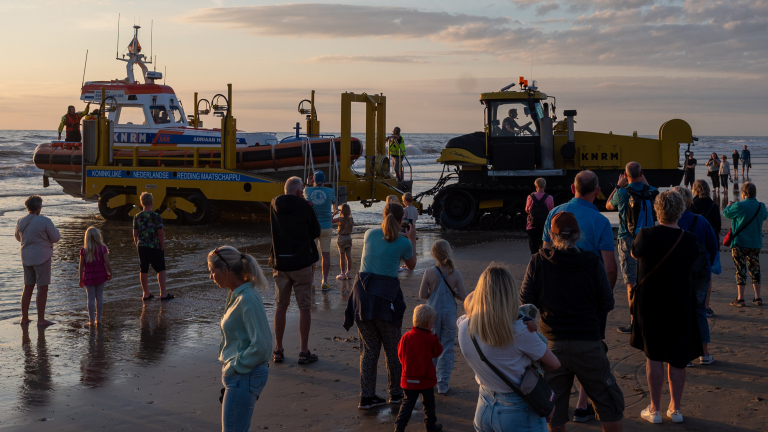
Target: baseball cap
[
  {"x": 564, "y": 225},
  {"x": 319, "y": 177}
]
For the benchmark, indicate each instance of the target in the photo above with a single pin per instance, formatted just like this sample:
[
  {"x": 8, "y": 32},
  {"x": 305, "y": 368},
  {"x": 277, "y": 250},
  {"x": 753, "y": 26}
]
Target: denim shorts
[
  {"x": 502, "y": 412},
  {"x": 627, "y": 264}
]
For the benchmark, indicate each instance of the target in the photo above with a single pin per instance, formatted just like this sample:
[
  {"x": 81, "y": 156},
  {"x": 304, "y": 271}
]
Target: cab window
[
  {"x": 178, "y": 114},
  {"x": 514, "y": 119},
  {"x": 159, "y": 114},
  {"x": 132, "y": 116}
]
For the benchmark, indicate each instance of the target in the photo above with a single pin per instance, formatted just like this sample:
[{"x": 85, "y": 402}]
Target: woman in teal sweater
[
  {"x": 246, "y": 340},
  {"x": 748, "y": 216}
]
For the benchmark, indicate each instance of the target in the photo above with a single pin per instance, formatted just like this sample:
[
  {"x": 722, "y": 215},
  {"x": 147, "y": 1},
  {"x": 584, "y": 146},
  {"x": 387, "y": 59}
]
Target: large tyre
[
  {"x": 458, "y": 210},
  {"x": 117, "y": 213},
  {"x": 206, "y": 210}
]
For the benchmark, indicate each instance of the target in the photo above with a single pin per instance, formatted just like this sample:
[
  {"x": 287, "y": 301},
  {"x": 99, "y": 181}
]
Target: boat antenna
[
  {"x": 117, "y": 48},
  {"x": 151, "y": 29},
  {"x": 154, "y": 66},
  {"x": 84, "y": 66},
  {"x": 165, "y": 72}
]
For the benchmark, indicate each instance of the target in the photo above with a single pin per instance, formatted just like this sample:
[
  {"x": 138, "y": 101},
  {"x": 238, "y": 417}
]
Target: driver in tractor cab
[
  {"x": 71, "y": 120},
  {"x": 510, "y": 126},
  {"x": 397, "y": 152}
]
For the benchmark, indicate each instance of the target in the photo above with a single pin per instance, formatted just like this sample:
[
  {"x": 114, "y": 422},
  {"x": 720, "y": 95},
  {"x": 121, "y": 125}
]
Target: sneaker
[
  {"x": 442, "y": 390},
  {"x": 738, "y": 303},
  {"x": 437, "y": 427},
  {"x": 676, "y": 415},
  {"x": 395, "y": 400},
  {"x": 584, "y": 415},
  {"x": 653, "y": 417},
  {"x": 690, "y": 364},
  {"x": 706, "y": 359},
  {"x": 325, "y": 287},
  {"x": 624, "y": 329},
  {"x": 710, "y": 313},
  {"x": 370, "y": 402},
  {"x": 401, "y": 269}
]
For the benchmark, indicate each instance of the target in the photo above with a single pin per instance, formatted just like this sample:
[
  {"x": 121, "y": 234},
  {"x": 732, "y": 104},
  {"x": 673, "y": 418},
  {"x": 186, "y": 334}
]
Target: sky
[{"x": 624, "y": 65}]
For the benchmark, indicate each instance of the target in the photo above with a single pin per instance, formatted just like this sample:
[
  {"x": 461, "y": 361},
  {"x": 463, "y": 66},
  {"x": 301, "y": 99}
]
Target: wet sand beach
[{"x": 154, "y": 367}]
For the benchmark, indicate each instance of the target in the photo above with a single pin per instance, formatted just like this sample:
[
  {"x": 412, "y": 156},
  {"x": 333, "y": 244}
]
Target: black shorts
[
  {"x": 690, "y": 177},
  {"x": 151, "y": 256}
]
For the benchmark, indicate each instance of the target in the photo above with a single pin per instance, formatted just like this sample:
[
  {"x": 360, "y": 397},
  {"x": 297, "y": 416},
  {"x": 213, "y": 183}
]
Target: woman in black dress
[
  {"x": 664, "y": 321},
  {"x": 704, "y": 205}
]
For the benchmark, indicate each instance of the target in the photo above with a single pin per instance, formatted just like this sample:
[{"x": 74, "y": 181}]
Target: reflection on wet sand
[
  {"x": 94, "y": 365},
  {"x": 36, "y": 384},
  {"x": 152, "y": 340}
]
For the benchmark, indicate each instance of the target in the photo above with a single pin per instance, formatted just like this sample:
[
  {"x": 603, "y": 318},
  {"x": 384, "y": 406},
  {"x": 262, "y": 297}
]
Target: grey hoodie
[{"x": 37, "y": 236}]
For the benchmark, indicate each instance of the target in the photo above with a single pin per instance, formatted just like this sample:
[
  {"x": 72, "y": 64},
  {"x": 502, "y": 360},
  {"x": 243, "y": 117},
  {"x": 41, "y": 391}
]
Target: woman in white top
[
  {"x": 725, "y": 172},
  {"x": 492, "y": 317}
]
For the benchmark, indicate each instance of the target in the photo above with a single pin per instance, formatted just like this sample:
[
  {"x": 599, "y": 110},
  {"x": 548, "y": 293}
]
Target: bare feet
[
  {"x": 90, "y": 323},
  {"x": 25, "y": 321},
  {"x": 44, "y": 323}
]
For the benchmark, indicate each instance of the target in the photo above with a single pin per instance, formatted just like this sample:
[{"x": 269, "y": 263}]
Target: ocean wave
[{"x": 20, "y": 170}]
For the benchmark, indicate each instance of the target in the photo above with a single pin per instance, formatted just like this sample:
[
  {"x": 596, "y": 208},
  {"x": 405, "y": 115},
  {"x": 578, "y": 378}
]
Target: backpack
[
  {"x": 537, "y": 217},
  {"x": 699, "y": 269},
  {"x": 639, "y": 201}
]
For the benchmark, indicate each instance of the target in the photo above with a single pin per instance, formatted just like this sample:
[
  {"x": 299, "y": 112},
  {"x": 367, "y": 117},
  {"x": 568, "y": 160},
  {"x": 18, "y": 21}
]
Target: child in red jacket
[{"x": 416, "y": 350}]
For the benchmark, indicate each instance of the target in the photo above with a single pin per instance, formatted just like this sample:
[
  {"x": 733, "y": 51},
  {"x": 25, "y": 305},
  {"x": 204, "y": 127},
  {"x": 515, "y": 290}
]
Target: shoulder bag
[
  {"x": 534, "y": 389},
  {"x": 730, "y": 236}
]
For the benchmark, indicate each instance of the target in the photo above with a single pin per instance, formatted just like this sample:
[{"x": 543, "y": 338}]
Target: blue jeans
[
  {"x": 445, "y": 329},
  {"x": 502, "y": 412},
  {"x": 700, "y": 288},
  {"x": 242, "y": 392}
]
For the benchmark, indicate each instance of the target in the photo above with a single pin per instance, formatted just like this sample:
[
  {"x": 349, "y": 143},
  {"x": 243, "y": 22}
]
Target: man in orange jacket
[{"x": 71, "y": 120}]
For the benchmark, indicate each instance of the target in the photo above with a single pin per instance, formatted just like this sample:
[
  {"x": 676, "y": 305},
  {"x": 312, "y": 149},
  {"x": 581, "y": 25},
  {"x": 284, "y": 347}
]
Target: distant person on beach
[
  {"x": 411, "y": 212},
  {"x": 294, "y": 229},
  {"x": 633, "y": 198},
  {"x": 725, "y": 172},
  {"x": 323, "y": 201},
  {"x": 37, "y": 236},
  {"x": 71, "y": 120},
  {"x": 417, "y": 350},
  {"x": 596, "y": 236},
  {"x": 663, "y": 304},
  {"x": 393, "y": 199},
  {"x": 735, "y": 156},
  {"x": 397, "y": 152},
  {"x": 690, "y": 170},
  {"x": 245, "y": 335},
  {"x": 747, "y": 228},
  {"x": 704, "y": 205},
  {"x": 344, "y": 240},
  {"x": 746, "y": 160},
  {"x": 377, "y": 304},
  {"x": 571, "y": 289},
  {"x": 537, "y": 206},
  {"x": 713, "y": 172},
  {"x": 95, "y": 270},
  {"x": 441, "y": 286},
  {"x": 492, "y": 320},
  {"x": 701, "y": 273},
  {"x": 149, "y": 237}
]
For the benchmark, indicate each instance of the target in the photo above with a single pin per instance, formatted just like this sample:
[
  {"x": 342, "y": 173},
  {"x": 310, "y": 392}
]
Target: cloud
[
  {"x": 368, "y": 59},
  {"x": 337, "y": 20},
  {"x": 546, "y": 8}
]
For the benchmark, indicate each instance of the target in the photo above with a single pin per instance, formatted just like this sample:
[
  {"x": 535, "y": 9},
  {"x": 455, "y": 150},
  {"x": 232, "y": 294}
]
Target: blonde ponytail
[
  {"x": 242, "y": 265},
  {"x": 393, "y": 214},
  {"x": 443, "y": 254}
]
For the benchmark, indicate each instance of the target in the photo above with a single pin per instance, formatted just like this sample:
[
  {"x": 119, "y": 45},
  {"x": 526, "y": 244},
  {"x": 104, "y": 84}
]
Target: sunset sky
[{"x": 625, "y": 65}]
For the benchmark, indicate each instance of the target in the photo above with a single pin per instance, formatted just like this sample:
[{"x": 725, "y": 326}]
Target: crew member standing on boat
[
  {"x": 71, "y": 120},
  {"x": 397, "y": 152}
]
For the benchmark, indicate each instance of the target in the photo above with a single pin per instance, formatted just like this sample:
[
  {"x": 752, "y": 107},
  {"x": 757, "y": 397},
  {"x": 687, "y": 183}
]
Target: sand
[{"x": 154, "y": 367}]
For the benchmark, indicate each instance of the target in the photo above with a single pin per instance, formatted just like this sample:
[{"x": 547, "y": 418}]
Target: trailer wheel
[
  {"x": 459, "y": 209},
  {"x": 206, "y": 210},
  {"x": 117, "y": 213}
]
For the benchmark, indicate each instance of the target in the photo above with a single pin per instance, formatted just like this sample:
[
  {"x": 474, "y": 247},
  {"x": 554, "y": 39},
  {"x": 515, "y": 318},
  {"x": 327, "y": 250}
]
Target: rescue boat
[{"x": 147, "y": 115}]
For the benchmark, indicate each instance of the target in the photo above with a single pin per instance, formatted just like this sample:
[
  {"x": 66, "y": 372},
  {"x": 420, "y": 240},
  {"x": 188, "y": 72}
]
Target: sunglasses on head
[{"x": 216, "y": 251}]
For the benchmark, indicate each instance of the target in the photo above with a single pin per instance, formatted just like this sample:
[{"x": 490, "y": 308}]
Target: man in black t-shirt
[{"x": 690, "y": 170}]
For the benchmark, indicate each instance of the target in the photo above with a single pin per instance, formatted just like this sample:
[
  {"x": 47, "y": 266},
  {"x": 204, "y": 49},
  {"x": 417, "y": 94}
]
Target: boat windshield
[
  {"x": 514, "y": 118},
  {"x": 159, "y": 114},
  {"x": 131, "y": 116},
  {"x": 178, "y": 114}
]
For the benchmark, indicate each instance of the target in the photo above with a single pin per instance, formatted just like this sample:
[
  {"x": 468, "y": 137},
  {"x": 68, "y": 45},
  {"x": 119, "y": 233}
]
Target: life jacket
[
  {"x": 73, "y": 122},
  {"x": 397, "y": 147}
]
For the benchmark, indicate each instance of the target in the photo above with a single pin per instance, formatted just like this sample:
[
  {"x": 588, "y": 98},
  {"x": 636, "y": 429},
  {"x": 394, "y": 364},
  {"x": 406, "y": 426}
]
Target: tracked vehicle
[{"x": 488, "y": 175}]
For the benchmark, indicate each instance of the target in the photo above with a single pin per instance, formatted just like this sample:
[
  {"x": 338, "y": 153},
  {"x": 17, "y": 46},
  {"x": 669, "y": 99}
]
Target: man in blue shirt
[
  {"x": 745, "y": 161},
  {"x": 596, "y": 237},
  {"x": 323, "y": 200},
  {"x": 619, "y": 200}
]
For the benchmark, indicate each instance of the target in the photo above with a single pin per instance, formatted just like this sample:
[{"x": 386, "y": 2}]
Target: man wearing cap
[
  {"x": 570, "y": 288},
  {"x": 323, "y": 200}
]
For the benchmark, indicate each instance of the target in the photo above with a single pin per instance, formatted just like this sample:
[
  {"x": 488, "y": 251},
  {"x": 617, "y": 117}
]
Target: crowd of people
[
  {"x": 551, "y": 328},
  {"x": 719, "y": 169}
]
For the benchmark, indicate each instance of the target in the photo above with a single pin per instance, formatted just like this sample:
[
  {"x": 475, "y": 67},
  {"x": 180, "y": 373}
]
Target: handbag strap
[
  {"x": 453, "y": 293},
  {"x": 741, "y": 228},
  {"x": 494, "y": 368},
  {"x": 632, "y": 293}
]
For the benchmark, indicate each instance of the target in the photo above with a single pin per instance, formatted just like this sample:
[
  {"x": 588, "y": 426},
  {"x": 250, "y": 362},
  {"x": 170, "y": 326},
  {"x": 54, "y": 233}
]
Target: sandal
[
  {"x": 757, "y": 302},
  {"x": 738, "y": 303},
  {"x": 168, "y": 297},
  {"x": 307, "y": 357},
  {"x": 150, "y": 297},
  {"x": 277, "y": 356}
]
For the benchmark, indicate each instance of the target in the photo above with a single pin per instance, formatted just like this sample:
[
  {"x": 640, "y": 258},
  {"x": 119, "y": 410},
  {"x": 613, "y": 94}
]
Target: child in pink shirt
[{"x": 95, "y": 270}]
